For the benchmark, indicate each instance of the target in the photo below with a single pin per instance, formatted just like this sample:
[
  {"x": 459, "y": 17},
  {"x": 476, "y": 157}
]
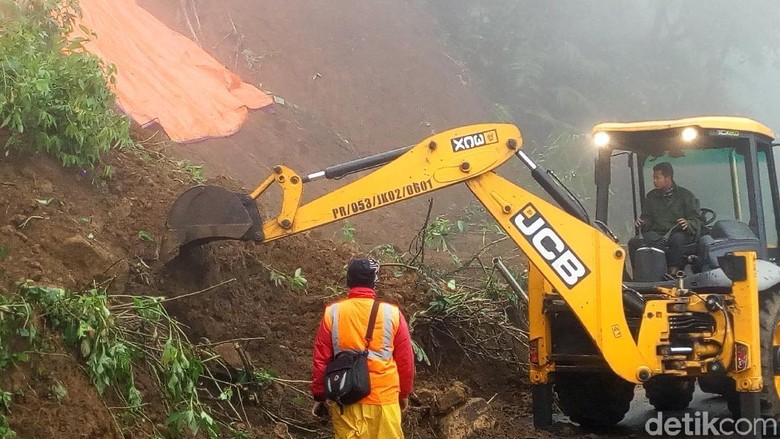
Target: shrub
[{"x": 55, "y": 96}]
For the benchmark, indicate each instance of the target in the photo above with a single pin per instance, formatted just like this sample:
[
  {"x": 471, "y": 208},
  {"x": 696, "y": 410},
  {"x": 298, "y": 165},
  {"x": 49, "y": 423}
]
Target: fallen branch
[
  {"x": 216, "y": 343},
  {"x": 205, "y": 290},
  {"x": 478, "y": 254},
  {"x": 24, "y": 223}
]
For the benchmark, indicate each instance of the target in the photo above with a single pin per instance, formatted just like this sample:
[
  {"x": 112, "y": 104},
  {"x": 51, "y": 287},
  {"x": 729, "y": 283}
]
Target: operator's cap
[{"x": 362, "y": 272}]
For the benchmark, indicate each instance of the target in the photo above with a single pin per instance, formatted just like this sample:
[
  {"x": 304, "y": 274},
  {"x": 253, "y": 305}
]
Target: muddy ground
[
  {"x": 357, "y": 78},
  {"x": 60, "y": 228}
]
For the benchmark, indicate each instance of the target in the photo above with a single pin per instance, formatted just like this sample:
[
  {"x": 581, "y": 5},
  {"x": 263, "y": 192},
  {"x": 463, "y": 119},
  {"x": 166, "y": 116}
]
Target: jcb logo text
[
  {"x": 550, "y": 246},
  {"x": 464, "y": 143}
]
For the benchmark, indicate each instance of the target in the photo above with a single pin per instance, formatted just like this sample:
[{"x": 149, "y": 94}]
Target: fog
[
  {"x": 565, "y": 65},
  {"x": 557, "y": 68}
]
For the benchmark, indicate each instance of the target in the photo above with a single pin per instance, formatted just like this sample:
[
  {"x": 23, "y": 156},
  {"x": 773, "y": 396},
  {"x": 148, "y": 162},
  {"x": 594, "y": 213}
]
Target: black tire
[
  {"x": 667, "y": 392},
  {"x": 715, "y": 384},
  {"x": 593, "y": 400},
  {"x": 769, "y": 320}
]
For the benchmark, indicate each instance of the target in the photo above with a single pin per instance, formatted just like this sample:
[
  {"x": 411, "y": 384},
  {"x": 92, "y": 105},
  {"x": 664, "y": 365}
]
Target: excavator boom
[{"x": 208, "y": 213}]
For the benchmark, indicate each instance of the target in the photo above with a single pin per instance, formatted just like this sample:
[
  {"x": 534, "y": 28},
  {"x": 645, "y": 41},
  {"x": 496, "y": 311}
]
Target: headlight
[
  {"x": 601, "y": 139},
  {"x": 690, "y": 134}
]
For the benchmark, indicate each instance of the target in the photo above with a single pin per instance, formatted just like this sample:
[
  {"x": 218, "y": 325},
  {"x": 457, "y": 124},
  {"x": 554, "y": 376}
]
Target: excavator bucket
[{"x": 210, "y": 213}]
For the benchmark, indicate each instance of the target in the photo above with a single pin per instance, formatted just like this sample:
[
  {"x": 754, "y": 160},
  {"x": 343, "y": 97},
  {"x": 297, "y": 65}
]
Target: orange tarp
[{"x": 165, "y": 77}]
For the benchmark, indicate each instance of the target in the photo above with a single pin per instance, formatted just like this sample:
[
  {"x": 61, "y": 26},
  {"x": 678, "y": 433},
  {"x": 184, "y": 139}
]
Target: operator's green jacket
[{"x": 661, "y": 211}]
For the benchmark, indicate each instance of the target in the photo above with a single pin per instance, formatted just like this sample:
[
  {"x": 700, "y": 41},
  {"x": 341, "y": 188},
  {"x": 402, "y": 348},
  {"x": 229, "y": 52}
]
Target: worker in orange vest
[{"x": 390, "y": 358}]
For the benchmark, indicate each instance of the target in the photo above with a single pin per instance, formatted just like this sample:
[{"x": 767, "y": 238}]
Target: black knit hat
[{"x": 362, "y": 272}]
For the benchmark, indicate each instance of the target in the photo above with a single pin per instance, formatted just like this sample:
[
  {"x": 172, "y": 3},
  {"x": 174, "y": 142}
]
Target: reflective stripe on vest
[{"x": 386, "y": 351}]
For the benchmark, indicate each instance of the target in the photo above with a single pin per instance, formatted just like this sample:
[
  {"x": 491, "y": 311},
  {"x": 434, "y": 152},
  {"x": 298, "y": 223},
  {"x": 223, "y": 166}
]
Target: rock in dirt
[
  {"x": 470, "y": 418},
  {"x": 229, "y": 354},
  {"x": 11, "y": 231},
  {"x": 281, "y": 431},
  {"x": 88, "y": 257},
  {"x": 123, "y": 208},
  {"x": 46, "y": 187},
  {"x": 424, "y": 397},
  {"x": 455, "y": 395}
]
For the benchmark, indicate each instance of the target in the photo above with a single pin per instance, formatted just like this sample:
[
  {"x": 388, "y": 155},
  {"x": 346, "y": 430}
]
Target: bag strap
[{"x": 371, "y": 322}]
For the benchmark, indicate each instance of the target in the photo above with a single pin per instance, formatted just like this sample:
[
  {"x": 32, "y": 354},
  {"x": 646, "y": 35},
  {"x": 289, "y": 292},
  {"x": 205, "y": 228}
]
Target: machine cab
[{"x": 726, "y": 162}]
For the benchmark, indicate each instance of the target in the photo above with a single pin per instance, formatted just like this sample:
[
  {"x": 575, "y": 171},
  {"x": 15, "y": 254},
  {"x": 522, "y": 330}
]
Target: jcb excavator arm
[
  {"x": 582, "y": 264},
  {"x": 206, "y": 213}
]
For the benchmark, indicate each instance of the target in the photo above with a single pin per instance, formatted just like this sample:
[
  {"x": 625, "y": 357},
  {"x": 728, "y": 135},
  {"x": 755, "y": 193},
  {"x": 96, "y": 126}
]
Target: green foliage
[
  {"x": 348, "y": 231},
  {"x": 54, "y": 95},
  {"x": 113, "y": 338},
  {"x": 5, "y": 429},
  {"x": 388, "y": 253},
  {"x": 474, "y": 314},
  {"x": 278, "y": 279},
  {"x": 263, "y": 377},
  {"x": 179, "y": 370},
  {"x": 86, "y": 321},
  {"x": 193, "y": 419},
  {"x": 437, "y": 234},
  {"x": 5, "y": 399},
  {"x": 16, "y": 323},
  {"x": 145, "y": 236},
  {"x": 419, "y": 354},
  {"x": 196, "y": 171},
  {"x": 296, "y": 282},
  {"x": 59, "y": 391}
]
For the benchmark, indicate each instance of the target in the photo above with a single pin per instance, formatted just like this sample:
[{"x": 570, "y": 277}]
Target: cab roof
[{"x": 707, "y": 122}]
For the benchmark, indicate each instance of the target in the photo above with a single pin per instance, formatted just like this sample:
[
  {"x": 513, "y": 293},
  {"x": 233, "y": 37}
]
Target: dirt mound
[
  {"x": 60, "y": 228},
  {"x": 56, "y": 399},
  {"x": 343, "y": 97}
]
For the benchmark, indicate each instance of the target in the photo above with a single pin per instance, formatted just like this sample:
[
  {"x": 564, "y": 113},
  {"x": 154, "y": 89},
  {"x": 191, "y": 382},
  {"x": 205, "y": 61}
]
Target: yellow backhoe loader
[{"x": 594, "y": 331}]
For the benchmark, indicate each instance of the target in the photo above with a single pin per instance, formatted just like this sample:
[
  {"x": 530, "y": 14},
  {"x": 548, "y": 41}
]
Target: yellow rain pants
[{"x": 365, "y": 421}]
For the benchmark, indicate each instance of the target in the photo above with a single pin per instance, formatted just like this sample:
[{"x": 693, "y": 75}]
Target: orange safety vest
[{"x": 347, "y": 322}]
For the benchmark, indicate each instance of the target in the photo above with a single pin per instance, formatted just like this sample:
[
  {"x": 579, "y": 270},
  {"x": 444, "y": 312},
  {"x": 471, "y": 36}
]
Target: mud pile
[{"x": 69, "y": 228}]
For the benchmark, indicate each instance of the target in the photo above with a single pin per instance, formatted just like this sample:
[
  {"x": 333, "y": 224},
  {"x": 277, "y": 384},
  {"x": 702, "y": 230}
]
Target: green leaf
[
  {"x": 451, "y": 284},
  {"x": 226, "y": 394},
  {"x": 419, "y": 354},
  {"x": 59, "y": 391},
  {"x": 45, "y": 202},
  {"x": 134, "y": 397},
  {"x": 5, "y": 400},
  {"x": 146, "y": 236}
]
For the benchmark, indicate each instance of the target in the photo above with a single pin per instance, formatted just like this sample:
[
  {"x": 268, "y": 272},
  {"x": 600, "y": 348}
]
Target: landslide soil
[
  {"x": 357, "y": 78},
  {"x": 61, "y": 228}
]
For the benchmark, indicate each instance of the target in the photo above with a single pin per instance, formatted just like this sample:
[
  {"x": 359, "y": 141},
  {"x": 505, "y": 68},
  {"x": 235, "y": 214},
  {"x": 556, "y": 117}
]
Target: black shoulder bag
[{"x": 347, "y": 379}]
